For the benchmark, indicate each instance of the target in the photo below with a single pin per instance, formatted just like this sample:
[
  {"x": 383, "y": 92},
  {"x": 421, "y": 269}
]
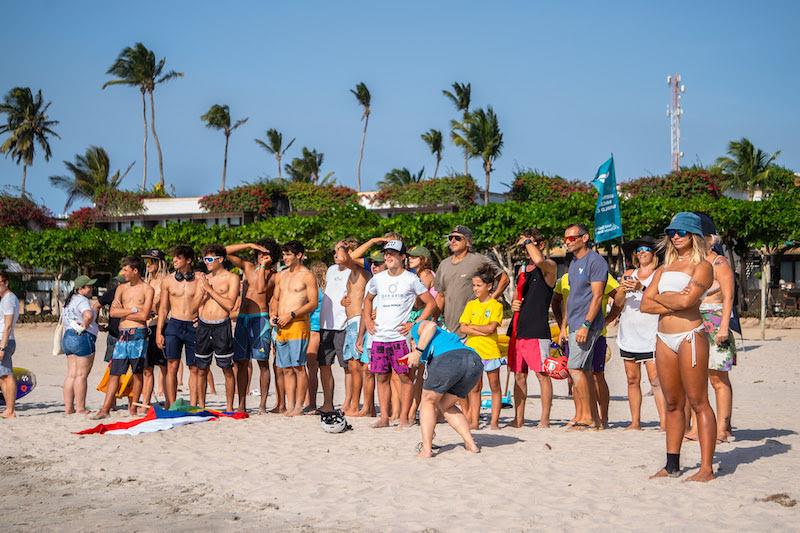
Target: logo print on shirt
[
  {"x": 580, "y": 270},
  {"x": 393, "y": 288}
]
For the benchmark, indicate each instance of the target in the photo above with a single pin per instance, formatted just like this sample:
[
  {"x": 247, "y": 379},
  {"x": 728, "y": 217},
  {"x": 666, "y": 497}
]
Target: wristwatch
[
  {"x": 134, "y": 309},
  {"x": 526, "y": 242},
  {"x": 586, "y": 324},
  {"x": 293, "y": 315}
]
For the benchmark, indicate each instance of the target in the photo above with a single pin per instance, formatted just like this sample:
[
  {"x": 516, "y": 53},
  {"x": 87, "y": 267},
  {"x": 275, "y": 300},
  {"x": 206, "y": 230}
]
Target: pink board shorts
[{"x": 529, "y": 355}]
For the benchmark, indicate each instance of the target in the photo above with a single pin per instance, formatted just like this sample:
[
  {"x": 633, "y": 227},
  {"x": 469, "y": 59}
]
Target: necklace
[{"x": 683, "y": 257}]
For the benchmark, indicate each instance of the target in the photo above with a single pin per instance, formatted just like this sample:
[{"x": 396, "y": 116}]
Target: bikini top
[
  {"x": 672, "y": 281},
  {"x": 715, "y": 287}
]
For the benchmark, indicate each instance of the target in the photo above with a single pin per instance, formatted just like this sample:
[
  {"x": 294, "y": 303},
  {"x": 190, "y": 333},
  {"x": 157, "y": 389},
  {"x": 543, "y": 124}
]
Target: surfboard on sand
[{"x": 26, "y": 382}]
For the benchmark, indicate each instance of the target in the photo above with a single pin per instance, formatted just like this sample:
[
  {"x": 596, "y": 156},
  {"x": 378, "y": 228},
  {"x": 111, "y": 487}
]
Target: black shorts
[
  {"x": 455, "y": 372},
  {"x": 331, "y": 346},
  {"x": 155, "y": 355},
  {"x": 638, "y": 357},
  {"x": 216, "y": 340}
]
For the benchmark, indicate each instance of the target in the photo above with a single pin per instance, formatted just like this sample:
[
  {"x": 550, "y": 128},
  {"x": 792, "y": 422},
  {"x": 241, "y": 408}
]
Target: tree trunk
[
  {"x": 225, "y": 162},
  {"x": 743, "y": 280},
  {"x": 436, "y": 168},
  {"x": 278, "y": 157},
  {"x": 487, "y": 166},
  {"x": 24, "y": 179},
  {"x": 144, "y": 167},
  {"x": 158, "y": 144},
  {"x": 361, "y": 152},
  {"x": 466, "y": 162},
  {"x": 765, "y": 268}
]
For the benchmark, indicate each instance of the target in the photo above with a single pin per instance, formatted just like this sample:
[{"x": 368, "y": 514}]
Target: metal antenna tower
[{"x": 674, "y": 112}]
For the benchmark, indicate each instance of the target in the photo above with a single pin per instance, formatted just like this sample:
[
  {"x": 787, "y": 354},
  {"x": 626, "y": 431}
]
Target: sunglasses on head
[
  {"x": 210, "y": 259},
  {"x": 573, "y": 238},
  {"x": 679, "y": 232},
  {"x": 641, "y": 249},
  {"x": 457, "y": 238}
]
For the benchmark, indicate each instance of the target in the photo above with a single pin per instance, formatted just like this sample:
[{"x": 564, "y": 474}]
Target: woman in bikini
[{"x": 682, "y": 345}]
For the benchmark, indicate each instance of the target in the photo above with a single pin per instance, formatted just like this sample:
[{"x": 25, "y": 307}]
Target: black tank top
[{"x": 534, "y": 321}]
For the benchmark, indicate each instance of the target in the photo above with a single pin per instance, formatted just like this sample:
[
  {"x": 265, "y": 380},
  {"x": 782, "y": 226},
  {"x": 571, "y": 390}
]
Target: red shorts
[{"x": 529, "y": 354}]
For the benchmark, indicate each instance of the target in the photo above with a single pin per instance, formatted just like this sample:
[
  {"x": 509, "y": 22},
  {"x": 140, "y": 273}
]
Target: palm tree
[
  {"x": 745, "y": 167},
  {"x": 26, "y": 123},
  {"x": 486, "y": 142},
  {"x": 364, "y": 98},
  {"x": 400, "y": 177},
  {"x": 433, "y": 138},
  {"x": 274, "y": 145},
  {"x": 219, "y": 117},
  {"x": 461, "y": 97},
  {"x": 90, "y": 176},
  {"x": 137, "y": 67},
  {"x": 307, "y": 167}
]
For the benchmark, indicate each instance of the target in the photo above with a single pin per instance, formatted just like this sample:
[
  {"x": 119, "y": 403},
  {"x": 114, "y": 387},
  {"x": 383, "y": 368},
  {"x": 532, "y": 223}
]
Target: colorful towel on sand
[{"x": 158, "y": 419}]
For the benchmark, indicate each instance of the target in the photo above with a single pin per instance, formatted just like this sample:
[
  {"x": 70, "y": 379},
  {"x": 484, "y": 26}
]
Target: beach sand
[{"x": 274, "y": 473}]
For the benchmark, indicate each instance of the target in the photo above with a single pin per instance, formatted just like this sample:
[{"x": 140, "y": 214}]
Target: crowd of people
[{"x": 422, "y": 338}]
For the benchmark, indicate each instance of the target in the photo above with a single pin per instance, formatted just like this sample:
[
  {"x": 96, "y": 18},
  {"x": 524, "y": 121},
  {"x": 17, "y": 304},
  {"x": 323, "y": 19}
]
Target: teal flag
[{"x": 607, "y": 219}]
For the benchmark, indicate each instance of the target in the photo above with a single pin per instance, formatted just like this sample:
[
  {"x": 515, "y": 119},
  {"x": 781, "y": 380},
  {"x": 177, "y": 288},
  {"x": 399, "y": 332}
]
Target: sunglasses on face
[
  {"x": 457, "y": 238},
  {"x": 643, "y": 249},
  {"x": 573, "y": 238},
  {"x": 210, "y": 259},
  {"x": 679, "y": 232}
]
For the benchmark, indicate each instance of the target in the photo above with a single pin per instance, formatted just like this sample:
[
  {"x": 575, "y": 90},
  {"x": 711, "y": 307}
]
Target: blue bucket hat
[{"x": 686, "y": 221}]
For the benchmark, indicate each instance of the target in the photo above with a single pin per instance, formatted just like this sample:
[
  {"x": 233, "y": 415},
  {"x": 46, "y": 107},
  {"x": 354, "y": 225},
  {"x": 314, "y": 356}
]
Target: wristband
[
  {"x": 526, "y": 242},
  {"x": 586, "y": 324},
  {"x": 292, "y": 313}
]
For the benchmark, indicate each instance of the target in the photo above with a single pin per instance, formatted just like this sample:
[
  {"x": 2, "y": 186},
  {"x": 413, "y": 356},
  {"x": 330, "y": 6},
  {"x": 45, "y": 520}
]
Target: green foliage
[
  {"x": 535, "y": 186},
  {"x": 254, "y": 198},
  {"x": 455, "y": 190},
  {"x": 401, "y": 177},
  {"x": 687, "y": 183},
  {"x": 307, "y": 167},
  {"x": 90, "y": 176},
  {"x": 310, "y": 197},
  {"x": 745, "y": 167},
  {"x": 111, "y": 202}
]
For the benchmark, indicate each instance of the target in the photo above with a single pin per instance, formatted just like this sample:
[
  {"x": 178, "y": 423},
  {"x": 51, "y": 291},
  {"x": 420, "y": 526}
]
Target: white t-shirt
[
  {"x": 9, "y": 306},
  {"x": 393, "y": 302},
  {"x": 333, "y": 315},
  {"x": 74, "y": 312}
]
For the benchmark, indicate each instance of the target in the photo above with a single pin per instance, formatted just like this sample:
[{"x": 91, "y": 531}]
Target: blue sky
[{"x": 571, "y": 82}]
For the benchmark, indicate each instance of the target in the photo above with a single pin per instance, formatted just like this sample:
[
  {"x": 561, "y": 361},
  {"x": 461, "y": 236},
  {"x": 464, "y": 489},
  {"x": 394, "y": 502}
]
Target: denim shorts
[
  {"x": 455, "y": 372},
  {"x": 6, "y": 364},
  {"x": 82, "y": 345}
]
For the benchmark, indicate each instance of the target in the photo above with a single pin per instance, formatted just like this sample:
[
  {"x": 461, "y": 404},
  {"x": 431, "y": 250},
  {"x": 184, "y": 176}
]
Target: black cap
[
  {"x": 463, "y": 230},
  {"x": 709, "y": 228},
  {"x": 154, "y": 253}
]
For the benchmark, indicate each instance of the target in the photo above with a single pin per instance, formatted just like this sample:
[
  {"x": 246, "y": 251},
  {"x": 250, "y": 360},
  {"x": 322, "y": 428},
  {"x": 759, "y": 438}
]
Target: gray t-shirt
[
  {"x": 9, "y": 306},
  {"x": 582, "y": 272},
  {"x": 455, "y": 281}
]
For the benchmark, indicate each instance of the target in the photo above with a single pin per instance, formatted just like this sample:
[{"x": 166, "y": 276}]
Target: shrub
[
  {"x": 249, "y": 198},
  {"x": 22, "y": 212},
  {"x": 82, "y": 218},
  {"x": 683, "y": 184},
  {"x": 118, "y": 202},
  {"x": 459, "y": 191},
  {"x": 310, "y": 197}
]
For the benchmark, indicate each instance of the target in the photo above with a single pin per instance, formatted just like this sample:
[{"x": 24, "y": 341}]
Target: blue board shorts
[
  {"x": 251, "y": 338},
  {"x": 80, "y": 344},
  {"x": 349, "y": 350},
  {"x": 6, "y": 364},
  {"x": 179, "y": 336},
  {"x": 130, "y": 351},
  {"x": 291, "y": 343}
]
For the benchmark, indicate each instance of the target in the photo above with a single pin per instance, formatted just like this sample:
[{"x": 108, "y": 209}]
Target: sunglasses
[
  {"x": 641, "y": 249},
  {"x": 573, "y": 238},
  {"x": 679, "y": 232},
  {"x": 457, "y": 238},
  {"x": 210, "y": 259}
]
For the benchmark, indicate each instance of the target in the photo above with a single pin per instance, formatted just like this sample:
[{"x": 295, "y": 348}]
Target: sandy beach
[{"x": 274, "y": 473}]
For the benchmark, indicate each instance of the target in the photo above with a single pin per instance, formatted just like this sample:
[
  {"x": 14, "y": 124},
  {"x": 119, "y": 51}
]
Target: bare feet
[
  {"x": 262, "y": 410},
  {"x": 472, "y": 448},
  {"x": 367, "y": 412},
  {"x": 382, "y": 423},
  {"x": 663, "y": 473},
  {"x": 633, "y": 427},
  {"x": 583, "y": 426},
  {"x": 702, "y": 476},
  {"x": 691, "y": 436},
  {"x": 517, "y": 423},
  {"x": 8, "y": 415},
  {"x": 100, "y": 415},
  {"x": 278, "y": 409},
  {"x": 83, "y": 412},
  {"x": 294, "y": 412},
  {"x": 425, "y": 454},
  {"x": 543, "y": 424},
  {"x": 494, "y": 427}
]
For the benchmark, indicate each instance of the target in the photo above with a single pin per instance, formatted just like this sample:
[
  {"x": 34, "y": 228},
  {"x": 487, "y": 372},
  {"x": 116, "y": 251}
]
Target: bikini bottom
[{"x": 674, "y": 340}]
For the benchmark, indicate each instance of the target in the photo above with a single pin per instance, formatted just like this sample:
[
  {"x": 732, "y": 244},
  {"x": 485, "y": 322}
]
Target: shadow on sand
[
  {"x": 753, "y": 435},
  {"x": 730, "y": 460},
  {"x": 484, "y": 441}
]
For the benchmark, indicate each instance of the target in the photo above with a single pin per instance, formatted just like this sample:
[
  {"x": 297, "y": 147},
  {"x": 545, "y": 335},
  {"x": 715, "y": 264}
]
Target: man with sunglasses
[
  {"x": 252, "y": 334},
  {"x": 454, "y": 277},
  {"x": 180, "y": 299},
  {"x": 583, "y": 319},
  {"x": 220, "y": 290}
]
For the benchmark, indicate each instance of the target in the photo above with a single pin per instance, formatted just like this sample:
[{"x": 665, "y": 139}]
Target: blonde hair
[
  {"x": 160, "y": 273},
  {"x": 699, "y": 250},
  {"x": 319, "y": 269},
  {"x": 635, "y": 259}
]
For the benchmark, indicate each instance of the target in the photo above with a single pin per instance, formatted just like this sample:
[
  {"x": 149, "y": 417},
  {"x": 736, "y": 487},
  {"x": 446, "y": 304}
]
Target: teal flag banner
[{"x": 607, "y": 218}]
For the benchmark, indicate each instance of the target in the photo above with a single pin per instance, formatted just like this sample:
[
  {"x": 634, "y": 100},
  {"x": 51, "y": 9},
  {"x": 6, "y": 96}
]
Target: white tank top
[{"x": 637, "y": 330}]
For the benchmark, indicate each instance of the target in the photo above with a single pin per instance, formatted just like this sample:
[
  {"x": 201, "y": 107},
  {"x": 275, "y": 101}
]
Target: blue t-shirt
[
  {"x": 582, "y": 272},
  {"x": 314, "y": 318},
  {"x": 442, "y": 342}
]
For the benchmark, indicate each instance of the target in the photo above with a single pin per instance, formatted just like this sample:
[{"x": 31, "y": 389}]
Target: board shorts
[
  {"x": 251, "y": 338},
  {"x": 111, "y": 341},
  {"x": 636, "y": 357},
  {"x": 80, "y": 344},
  {"x": 367, "y": 348},
  {"x": 493, "y": 364},
  {"x": 331, "y": 347},
  {"x": 581, "y": 356},
  {"x": 529, "y": 355},
  {"x": 130, "y": 351},
  {"x": 214, "y": 338},
  {"x": 720, "y": 358},
  {"x": 6, "y": 363},
  {"x": 349, "y": 350},
  {"x": 385, "y": 357},
  {"x": 180, "y": 336},
  {"x": 155, "y": 355},
  {"x": 291, "y": 343},
  {"x": 455, "y": 372}
]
